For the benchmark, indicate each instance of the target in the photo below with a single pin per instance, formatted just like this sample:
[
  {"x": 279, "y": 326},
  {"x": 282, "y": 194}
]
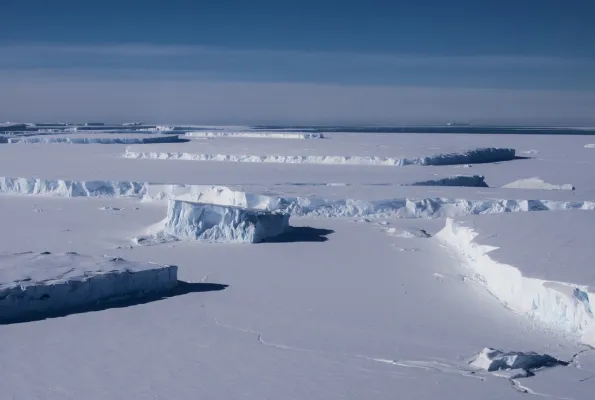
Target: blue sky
[{"x": 298, "y": 52}]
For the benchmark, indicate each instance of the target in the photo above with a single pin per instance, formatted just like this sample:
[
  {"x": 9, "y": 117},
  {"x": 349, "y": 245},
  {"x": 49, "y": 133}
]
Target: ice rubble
[
  {"x": 482, "y": 155},
  {"x": 536, "y": 183},
  {"x": 162, "y": 128},
  {"x": 41, "y": 284},
  {"x": 219, "y": 223},
  {"x": 559, "y": 304},
  {"x": 517, "y": 364},
  {"x": 95, "y": 140},
  {"x": 256, "y": 135}
]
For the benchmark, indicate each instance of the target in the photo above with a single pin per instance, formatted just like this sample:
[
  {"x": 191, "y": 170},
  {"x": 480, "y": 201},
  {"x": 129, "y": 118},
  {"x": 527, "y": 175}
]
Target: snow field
[
  {"x": 35, "y": 285},
  {"x": 566, "y": 306}
]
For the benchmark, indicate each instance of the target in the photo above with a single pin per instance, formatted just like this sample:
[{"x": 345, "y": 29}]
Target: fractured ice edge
[{"x": 562, "y": 305}]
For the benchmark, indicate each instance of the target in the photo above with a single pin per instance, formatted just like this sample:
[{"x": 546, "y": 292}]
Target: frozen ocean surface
[{"x": 430, "y": 282}]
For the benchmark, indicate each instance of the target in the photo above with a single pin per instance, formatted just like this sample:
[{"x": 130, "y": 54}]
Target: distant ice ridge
[
  {"x": 95, "y": 140},
  {"x": 459, "y": 180},
  {"x": 257, "y": 135},
  {"x": 482, "y": 155},
  {"x": 298, "y": 206},
  {"x": 162, "y": 128},
  {"x": 590, "y": 146},
  {"x": 41, "y": 284},
  {"x": 567, "y": 306},
  {"x": 536, "y": 183},
  {"x": 217, "y": 223},
  {"x": 69, "y": 188}
]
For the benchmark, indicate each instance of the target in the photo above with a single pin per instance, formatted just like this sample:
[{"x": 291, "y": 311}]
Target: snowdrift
[
  {"x": 256, "y": 135},
  {"x": 566, "y": 306},
  {"x": 219, "y": 223},
  {"x": 40, "y": 284},
  {"x": 95, "y": 140},
  {"x": 482, "y": 155},
  {"x": 536, "y": 183}
]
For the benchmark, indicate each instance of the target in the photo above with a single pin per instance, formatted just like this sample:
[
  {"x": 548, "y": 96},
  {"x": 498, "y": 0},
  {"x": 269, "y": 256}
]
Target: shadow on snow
[{"x": 301, "y": 234}]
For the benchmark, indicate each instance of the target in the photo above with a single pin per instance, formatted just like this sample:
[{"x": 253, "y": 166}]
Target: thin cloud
[
  {"x": 140, "y": 50},
  {"x": 192, "y": 101}
]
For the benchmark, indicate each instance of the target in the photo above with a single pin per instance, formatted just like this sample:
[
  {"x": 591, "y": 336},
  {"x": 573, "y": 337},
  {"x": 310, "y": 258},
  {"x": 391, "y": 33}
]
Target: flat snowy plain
[{"x": 391, "y": 282}]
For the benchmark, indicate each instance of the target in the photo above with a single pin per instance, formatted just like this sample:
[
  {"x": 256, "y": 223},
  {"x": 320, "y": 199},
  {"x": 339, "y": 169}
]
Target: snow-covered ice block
[
  {"x": 256, "y": 135},
  {"x": 536, "y": 183},
  {"x": 482, "y": 155},
  {"x": 218, "y": 223},
  {"x": 88, "y": 139},
  {"x": 493, "y": 360},
  {"x": 37, "y": 284},
  {"x": 459, "y": 180}
]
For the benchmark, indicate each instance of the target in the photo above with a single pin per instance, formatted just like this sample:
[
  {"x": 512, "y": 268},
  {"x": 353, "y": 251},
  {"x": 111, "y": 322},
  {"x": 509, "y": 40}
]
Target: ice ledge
[
  {"x": 566, "y": 306},
  {"x": 40, "y": 284},
  {"x": 473, "y": 156}
]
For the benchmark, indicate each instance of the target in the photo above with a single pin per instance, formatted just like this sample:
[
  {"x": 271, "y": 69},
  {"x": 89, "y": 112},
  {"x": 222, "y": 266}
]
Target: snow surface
[
  {"x": 38, "y": 284},
  {"x": 536, "y": 183},
  {"x": 483, "y": 155},
  {"x": 256, "y": 135},
  {"x": 364, "y": 303}
]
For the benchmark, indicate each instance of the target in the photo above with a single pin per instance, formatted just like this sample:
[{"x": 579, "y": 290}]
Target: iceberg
[
  {"x": 35, "y": 285},
  {"x": 220, "y": 223}
]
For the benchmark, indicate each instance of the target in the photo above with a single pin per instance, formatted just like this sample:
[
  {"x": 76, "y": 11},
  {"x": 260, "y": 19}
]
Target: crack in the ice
[{"x": 259, "y": 336}]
